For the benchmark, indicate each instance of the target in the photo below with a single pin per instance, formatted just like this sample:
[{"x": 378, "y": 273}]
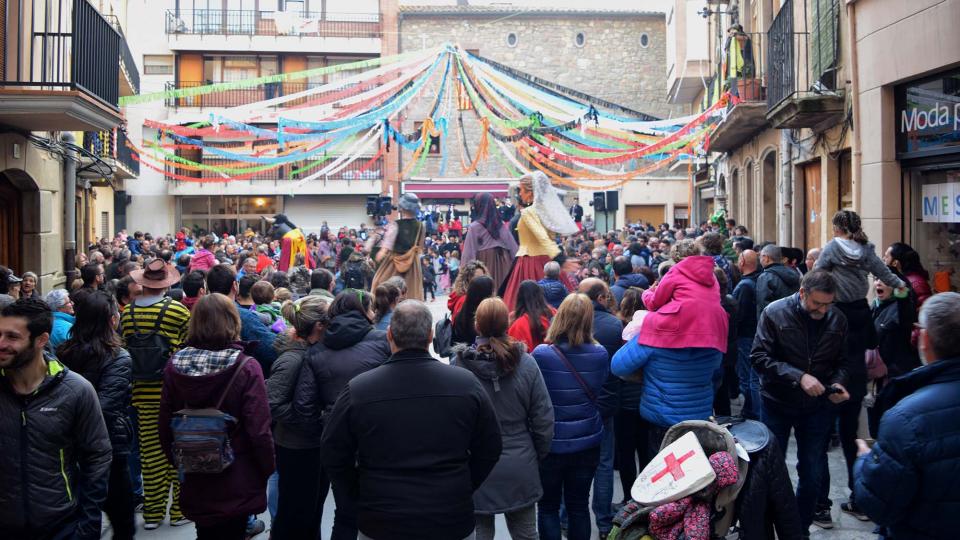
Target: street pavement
[{"x": 846, "y": 527}]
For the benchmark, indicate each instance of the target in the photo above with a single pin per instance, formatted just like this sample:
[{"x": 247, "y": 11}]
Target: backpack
[
  {"x": 353, "y": 277},
  {"x": 201, "y": 438},
  {"x": 443, "y": 337},
  {"x": 149, "y": 349}
]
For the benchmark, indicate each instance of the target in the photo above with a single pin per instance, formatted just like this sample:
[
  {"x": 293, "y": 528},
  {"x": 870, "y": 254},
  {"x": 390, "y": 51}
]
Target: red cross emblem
[{"x": 673, "y": 467}]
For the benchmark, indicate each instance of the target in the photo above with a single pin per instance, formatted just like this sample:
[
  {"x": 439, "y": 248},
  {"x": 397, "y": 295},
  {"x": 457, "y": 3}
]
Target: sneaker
[
  {"x": 180, "y": 522},
  {"x": 255, "y": 528},
  {"x": 822, "y": 519},
  {"x": 151, "y": 525},
  {"x": 851, "y": 508}
]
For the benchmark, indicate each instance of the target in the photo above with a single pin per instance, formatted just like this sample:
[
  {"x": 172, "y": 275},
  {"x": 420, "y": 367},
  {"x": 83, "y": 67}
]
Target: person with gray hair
[
  {"x": 62, "y": 306},
  {"x": 907, "y": 482},
  {"x": 427, "y": 432},
  {"x": 776, "y": 281},
  {"x": 553, "y": 289}
]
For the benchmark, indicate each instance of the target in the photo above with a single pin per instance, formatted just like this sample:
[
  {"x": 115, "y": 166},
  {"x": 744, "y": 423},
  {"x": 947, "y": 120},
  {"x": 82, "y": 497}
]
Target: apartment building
[
  {"x": 64, "y": 64},
  {"x": 183, "y": 44},
  {"x": 616, "y": 56}
]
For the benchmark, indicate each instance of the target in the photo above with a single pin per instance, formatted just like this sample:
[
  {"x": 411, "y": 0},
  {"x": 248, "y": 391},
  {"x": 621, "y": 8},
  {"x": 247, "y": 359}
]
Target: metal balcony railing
[
  {"x": 232, "y": 22},
  {"x": 742, "y": 71},
  {"x": 111, "y": 145},
  {"x": 803, "y": 62},
  {"x": 359, "y": 169},
  {"x": 243, "y": 96},
  {"x": 126, "y": 57},
  {"x": 61, "y": 44}
]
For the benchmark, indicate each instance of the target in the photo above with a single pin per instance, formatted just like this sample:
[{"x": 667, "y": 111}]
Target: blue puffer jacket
[
  {"x": 677, "y": 383},
  {"x": 625, "y": 282},
  {"x": 553, "y": 291},
  {"x": 908, "y": 483},
  {"x": 577, "y": 422}
]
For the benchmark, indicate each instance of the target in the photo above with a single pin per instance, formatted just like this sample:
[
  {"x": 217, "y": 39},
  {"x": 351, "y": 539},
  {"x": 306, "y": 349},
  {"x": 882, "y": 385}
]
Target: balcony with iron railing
[
  {"x": 802, "y": 84},
  {"x": 111, "y": 147},
  {"x": 60, "y": 67},
  {"x": 130, "y": 80},
  {"x": 360, "y": 169},
  {"x": 742, "y": 73},
  {"x": 246, "y": 96},
  {"x": 230, "y": 22}
]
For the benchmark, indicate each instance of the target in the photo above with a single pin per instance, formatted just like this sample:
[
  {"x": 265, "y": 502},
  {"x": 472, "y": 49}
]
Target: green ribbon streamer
[{"x": 250, "y": 83}]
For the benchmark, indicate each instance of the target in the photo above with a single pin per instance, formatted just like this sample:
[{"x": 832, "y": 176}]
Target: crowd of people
[{"x": 191, "y": 379}]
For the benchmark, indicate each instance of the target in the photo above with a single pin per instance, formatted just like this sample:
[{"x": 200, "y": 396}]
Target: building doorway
[
  {"x": 812, "y": 204},
  {"x": 768, "y": 221},
  {"x": 10, "y": 224}
]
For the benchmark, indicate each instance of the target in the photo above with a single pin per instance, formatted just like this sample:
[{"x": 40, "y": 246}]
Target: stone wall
[{"x": 611, "y": 65}]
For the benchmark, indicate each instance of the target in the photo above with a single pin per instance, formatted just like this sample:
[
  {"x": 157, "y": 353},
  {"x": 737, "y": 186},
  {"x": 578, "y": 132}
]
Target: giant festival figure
[
  {"x": 399, "y": 249},
  {"x": 292, "y": 242},
  {"x": 543, "y": 217}
]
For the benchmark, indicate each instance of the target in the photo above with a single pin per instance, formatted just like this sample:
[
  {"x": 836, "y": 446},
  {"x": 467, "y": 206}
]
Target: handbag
[
  {"x": 573, "y": 370},
  {"x": 876, "y": 367}
]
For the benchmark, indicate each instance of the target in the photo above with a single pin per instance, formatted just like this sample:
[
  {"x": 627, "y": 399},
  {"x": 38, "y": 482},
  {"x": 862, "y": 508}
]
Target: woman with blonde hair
[
  {"x": 302, "y": 485},
  {"x": 458, "y": 292},
  {"x": 574, "y": 367},
  {"x": 516, "y": 388},
  {"x": 213, "y": 365}
]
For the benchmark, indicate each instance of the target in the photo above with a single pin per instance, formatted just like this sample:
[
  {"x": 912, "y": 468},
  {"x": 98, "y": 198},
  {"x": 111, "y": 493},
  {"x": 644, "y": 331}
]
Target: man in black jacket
[
  {"x": 745, "y": 293},
  {"x": 412, "y": 439},
  {"x": 777, "y": 281},
  {"x": 56, "y": 448},
  {"x": 799, "y": 352}
]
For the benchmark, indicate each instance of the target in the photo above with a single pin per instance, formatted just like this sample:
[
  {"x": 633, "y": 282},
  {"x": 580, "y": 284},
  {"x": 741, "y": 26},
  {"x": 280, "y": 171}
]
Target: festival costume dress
[
  {"x": 537, "y": 248},
  {"x": 402, "y": 243},
  {"x": 496, "y": 254}
]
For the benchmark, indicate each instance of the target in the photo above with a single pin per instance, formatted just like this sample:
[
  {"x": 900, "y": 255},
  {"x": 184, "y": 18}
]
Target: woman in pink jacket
[{"x": 203, "y": 259}]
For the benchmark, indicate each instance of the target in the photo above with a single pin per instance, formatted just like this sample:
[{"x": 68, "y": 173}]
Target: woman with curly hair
[{"x": 458, "y": 293}]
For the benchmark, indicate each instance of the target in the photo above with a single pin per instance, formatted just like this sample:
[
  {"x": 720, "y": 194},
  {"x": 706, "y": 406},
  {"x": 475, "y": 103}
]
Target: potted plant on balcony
[{"x": 739, "y": 65}]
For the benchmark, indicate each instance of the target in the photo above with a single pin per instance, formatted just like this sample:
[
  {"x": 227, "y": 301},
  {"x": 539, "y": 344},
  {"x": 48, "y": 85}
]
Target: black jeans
[
  {"x": 234, "y": 528},
  {"x": 428, "y": 289},
  {"x": 566, "y": 476},
  {"x": 303, "y": 488},
  {"x": 655, "y": 436},
  {"x": 848, "y": 418},
  {"x": 630, "y": 435},
  {"x": 120, "y": 504}
]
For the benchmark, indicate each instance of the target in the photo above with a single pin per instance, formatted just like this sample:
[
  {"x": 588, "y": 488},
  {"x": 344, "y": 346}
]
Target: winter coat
[
  {"x": 350, "y": 347},
  {"x": 578, "y": 423},
  {"x": 907, "y": 484},
  {"x": 62, "y": 324},
  {"x": 289, "y": 429},
  {"x": 56, "y": 457},
  {"x": 520, "y": 330},
  {"x": 255, "y": 332},
  {"x": 607, "y": 331},
  {"x": 685, "y": 308},
  {"x": 783, "y": 352},
  {"x": 112, "y": 378},
  {"x": 384, "y": 321},
  {"x": 526, "y": 420},
  {"x": 849, "y": 262},
  {"x": 920, "y": 283},
  {"x": 202, "y": 260},
  {"x": 775, "y": 282},
  {"x": 745, "y": 293},
  {"x": 893, "y": 338},
  {"x": 412, "y": 439},
  {"x": 623, "y": 283},
  {"x": 196, "y": 378},
  {"x": 723, "y": 263},
  {"x": 677, "y": 383},
  {"x": 766, "y": 501},
  {"x": 553, "y": 291}
]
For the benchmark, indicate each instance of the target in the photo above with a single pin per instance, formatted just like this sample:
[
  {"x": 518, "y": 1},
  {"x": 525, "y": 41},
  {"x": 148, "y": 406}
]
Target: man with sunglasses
[{"x": 799, "y": 354}]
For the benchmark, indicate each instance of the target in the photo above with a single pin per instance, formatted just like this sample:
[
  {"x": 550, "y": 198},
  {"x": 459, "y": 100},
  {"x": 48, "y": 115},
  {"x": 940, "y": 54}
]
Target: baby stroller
[{"x": 761, "y": 498}]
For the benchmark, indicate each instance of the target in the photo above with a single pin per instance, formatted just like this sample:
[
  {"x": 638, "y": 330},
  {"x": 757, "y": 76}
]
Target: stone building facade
[{"x": 617, "y": 56}]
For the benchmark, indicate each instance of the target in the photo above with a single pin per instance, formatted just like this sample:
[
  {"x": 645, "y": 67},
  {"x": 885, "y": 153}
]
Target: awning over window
[{"x": 455, "y": 190}]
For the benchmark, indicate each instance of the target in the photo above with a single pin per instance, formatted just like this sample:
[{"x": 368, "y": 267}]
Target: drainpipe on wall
[
  {"x": 69, "y": 206},
  {"x": 855, "y": 153},
  {"x": 786, "y": 189}
]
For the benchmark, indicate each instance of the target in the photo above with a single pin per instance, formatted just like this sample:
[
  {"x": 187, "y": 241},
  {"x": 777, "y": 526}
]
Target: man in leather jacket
[{"x": 799, "y": 353}]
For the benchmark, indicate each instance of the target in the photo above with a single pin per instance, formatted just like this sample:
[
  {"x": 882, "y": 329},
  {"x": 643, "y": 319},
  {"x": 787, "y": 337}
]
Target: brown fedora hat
[{"x": 157, "y": 275}]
